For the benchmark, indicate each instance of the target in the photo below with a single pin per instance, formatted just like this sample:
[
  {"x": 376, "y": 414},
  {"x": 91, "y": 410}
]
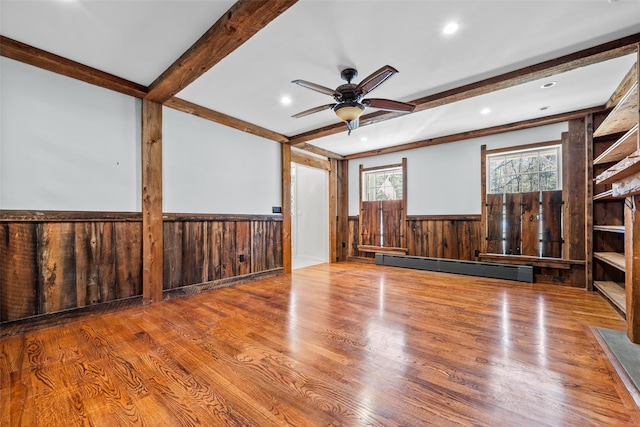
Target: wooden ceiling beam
[
  {"x": 242, "y": 21},
  {"x": 510, "y": 127},
  {"x": 311, "y": 161},
  {"x": 27, "y": 54},
  {"x": 320, "y": 151},
  {"x": 593, "y": 55},
  {"x": 223, "y": 119}
]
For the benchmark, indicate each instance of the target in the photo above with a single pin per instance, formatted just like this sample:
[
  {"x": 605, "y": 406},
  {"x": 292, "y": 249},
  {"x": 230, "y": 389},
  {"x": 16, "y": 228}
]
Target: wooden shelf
[
  {"x": 628, "y": 143},
  {"x": 610, "y": 228},
  {"x": 627, "y": 186},
  {"x": 605, "y": 195},
  {"x": 614, "y": 292},
  {"x": 623, "y": 117},
  {"x": 614, "y": 259},
  {"x": 623, "y": 169}
]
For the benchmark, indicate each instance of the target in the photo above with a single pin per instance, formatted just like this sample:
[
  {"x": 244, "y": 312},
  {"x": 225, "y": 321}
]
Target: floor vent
[{"x": 521, "y": 273}]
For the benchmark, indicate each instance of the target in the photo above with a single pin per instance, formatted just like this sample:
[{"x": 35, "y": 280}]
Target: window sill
[{"x": 383, "y": 250}]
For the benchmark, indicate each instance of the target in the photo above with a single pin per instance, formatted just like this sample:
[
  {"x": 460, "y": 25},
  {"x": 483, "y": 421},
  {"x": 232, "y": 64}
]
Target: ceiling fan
[{"x": 350, "y": 104}]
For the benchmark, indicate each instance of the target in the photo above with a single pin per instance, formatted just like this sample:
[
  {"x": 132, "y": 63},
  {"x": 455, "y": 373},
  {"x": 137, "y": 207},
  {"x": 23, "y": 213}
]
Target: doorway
[{"x": 309, "y": 216}]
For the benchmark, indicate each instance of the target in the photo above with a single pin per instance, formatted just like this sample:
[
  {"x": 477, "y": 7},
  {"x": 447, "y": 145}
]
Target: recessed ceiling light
[
  {"x": 363, "y": 139},
  {"x": 285, "y": 100},
  {"x": 548, "y": 85},
  {"x": 450, "y": 28},
  {"x": 485, "y": 111},
  {"x": 546, "y": 107}
]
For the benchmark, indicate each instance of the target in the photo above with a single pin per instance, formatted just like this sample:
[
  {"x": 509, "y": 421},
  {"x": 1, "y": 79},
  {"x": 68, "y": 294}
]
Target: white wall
[
  {"x": 311, "y": 220},
  {"x": 69, "y": 145},
  {"x": 211, "y": 168},
  {"x": 445, "y": 179},
  {"x": 65, "y": 144}
]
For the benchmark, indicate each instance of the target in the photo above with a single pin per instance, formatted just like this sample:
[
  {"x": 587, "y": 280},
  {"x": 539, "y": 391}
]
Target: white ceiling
[{"x": 314, "y": 39}]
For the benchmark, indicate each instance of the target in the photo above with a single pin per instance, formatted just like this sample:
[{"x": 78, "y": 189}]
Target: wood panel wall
[
  {"x": 60, "y": 262},
  {"x": 459, "y": 237},
  {"x": 204, "y": 249},
  {"x": 452, "y": 237},
  {"x": 53, "y": 266}
]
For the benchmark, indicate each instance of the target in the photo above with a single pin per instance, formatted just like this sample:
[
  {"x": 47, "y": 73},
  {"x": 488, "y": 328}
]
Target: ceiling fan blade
[
  {"x": 375, "y": 79},
  {"x": 313, "y": 110},
  {"x": 317, "y": 88},
  {"x": 389, "y": 105}
]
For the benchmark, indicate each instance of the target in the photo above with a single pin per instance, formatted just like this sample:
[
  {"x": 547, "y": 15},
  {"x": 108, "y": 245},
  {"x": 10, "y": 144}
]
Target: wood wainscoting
[
  {"x": 460, "y": 237},
  {"x": 343, "y": 344},
  {"x": 436, "y": 236},
  {"x": 61, "y": 262},
  {"x": 201, "y": 249},
  {"x": 52, "y": 262}
]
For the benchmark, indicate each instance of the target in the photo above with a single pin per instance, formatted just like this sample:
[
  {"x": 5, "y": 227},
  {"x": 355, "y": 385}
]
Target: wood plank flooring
[{"x": 343, "y": 344}]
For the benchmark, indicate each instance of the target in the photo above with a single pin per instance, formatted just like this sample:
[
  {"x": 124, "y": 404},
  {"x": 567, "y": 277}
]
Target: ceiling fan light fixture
[{"x": 349, "y": 111}]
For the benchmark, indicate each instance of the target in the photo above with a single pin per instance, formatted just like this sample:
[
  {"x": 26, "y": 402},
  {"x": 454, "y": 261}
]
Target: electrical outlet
[
  {"x": 241, "y": 257},
  {"x": 276, "y": 209}
]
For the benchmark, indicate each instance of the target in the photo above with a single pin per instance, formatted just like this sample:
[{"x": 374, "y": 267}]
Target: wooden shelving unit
[
  {"x": 610, "y": 228},
  {"x": 614, "y": 259},
  {"x": 616, "y": 183},
  {"x": 619, "y": 150},
  {"x": 614, "y": 292},
  {"x": 605, "y": 195},
  {"x": 628, "y": 166},
  {"x": 624, "y": 116}
]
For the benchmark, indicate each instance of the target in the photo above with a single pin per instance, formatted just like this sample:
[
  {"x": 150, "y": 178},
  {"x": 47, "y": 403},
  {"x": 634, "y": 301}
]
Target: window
[
  {"x": 382, "y": 184},
  {"x": 382, "y": 221},
  {"x": 524, "y": 171},
  {"x": 523, "y": 202}
]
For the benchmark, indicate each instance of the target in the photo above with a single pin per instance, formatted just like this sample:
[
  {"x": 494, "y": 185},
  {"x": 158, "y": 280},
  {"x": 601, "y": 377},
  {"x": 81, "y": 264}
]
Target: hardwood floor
[{"x": 342, "y": 344}]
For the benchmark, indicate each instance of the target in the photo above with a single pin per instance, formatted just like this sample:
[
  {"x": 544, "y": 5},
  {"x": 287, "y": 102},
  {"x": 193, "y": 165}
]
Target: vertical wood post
[
  {"x": 333, "y": 211},
  {"x": 360, "y": 240},
  {"x": 574, "y": 191},
  {"x": 588, "y": 206},
  {"x": 151, "y": 201},
  {"x": 286, "y": 207},
  {"x": 483, "y": 198},
  {"x": 338, "y": 210},
  {"x": 343, "y": 209},
  {"x": 403, "y": 216},
  {"x": 632, "y": 266}
]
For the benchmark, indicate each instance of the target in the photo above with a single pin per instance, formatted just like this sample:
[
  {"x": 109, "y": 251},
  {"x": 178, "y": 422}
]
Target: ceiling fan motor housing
[
  {"x": 349, "y": 74},
  {"x": 347, "y": 93}
]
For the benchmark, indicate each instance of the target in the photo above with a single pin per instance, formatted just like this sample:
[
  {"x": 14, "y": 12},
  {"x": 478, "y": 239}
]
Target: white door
[{"x": 310, "y": 216}]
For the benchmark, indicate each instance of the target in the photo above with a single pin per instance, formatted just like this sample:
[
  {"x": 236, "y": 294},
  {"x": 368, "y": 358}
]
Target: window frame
[
  {"x": 403, "y": 221},
  {"x": 364, "y": 190},
  {"x": 522, "y": 149},
  {"x": 484, "y": 180}
]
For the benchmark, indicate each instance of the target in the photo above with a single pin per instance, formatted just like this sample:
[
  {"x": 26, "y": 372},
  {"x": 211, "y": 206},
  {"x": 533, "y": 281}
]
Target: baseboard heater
[{"x": 522, "y": 273}]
